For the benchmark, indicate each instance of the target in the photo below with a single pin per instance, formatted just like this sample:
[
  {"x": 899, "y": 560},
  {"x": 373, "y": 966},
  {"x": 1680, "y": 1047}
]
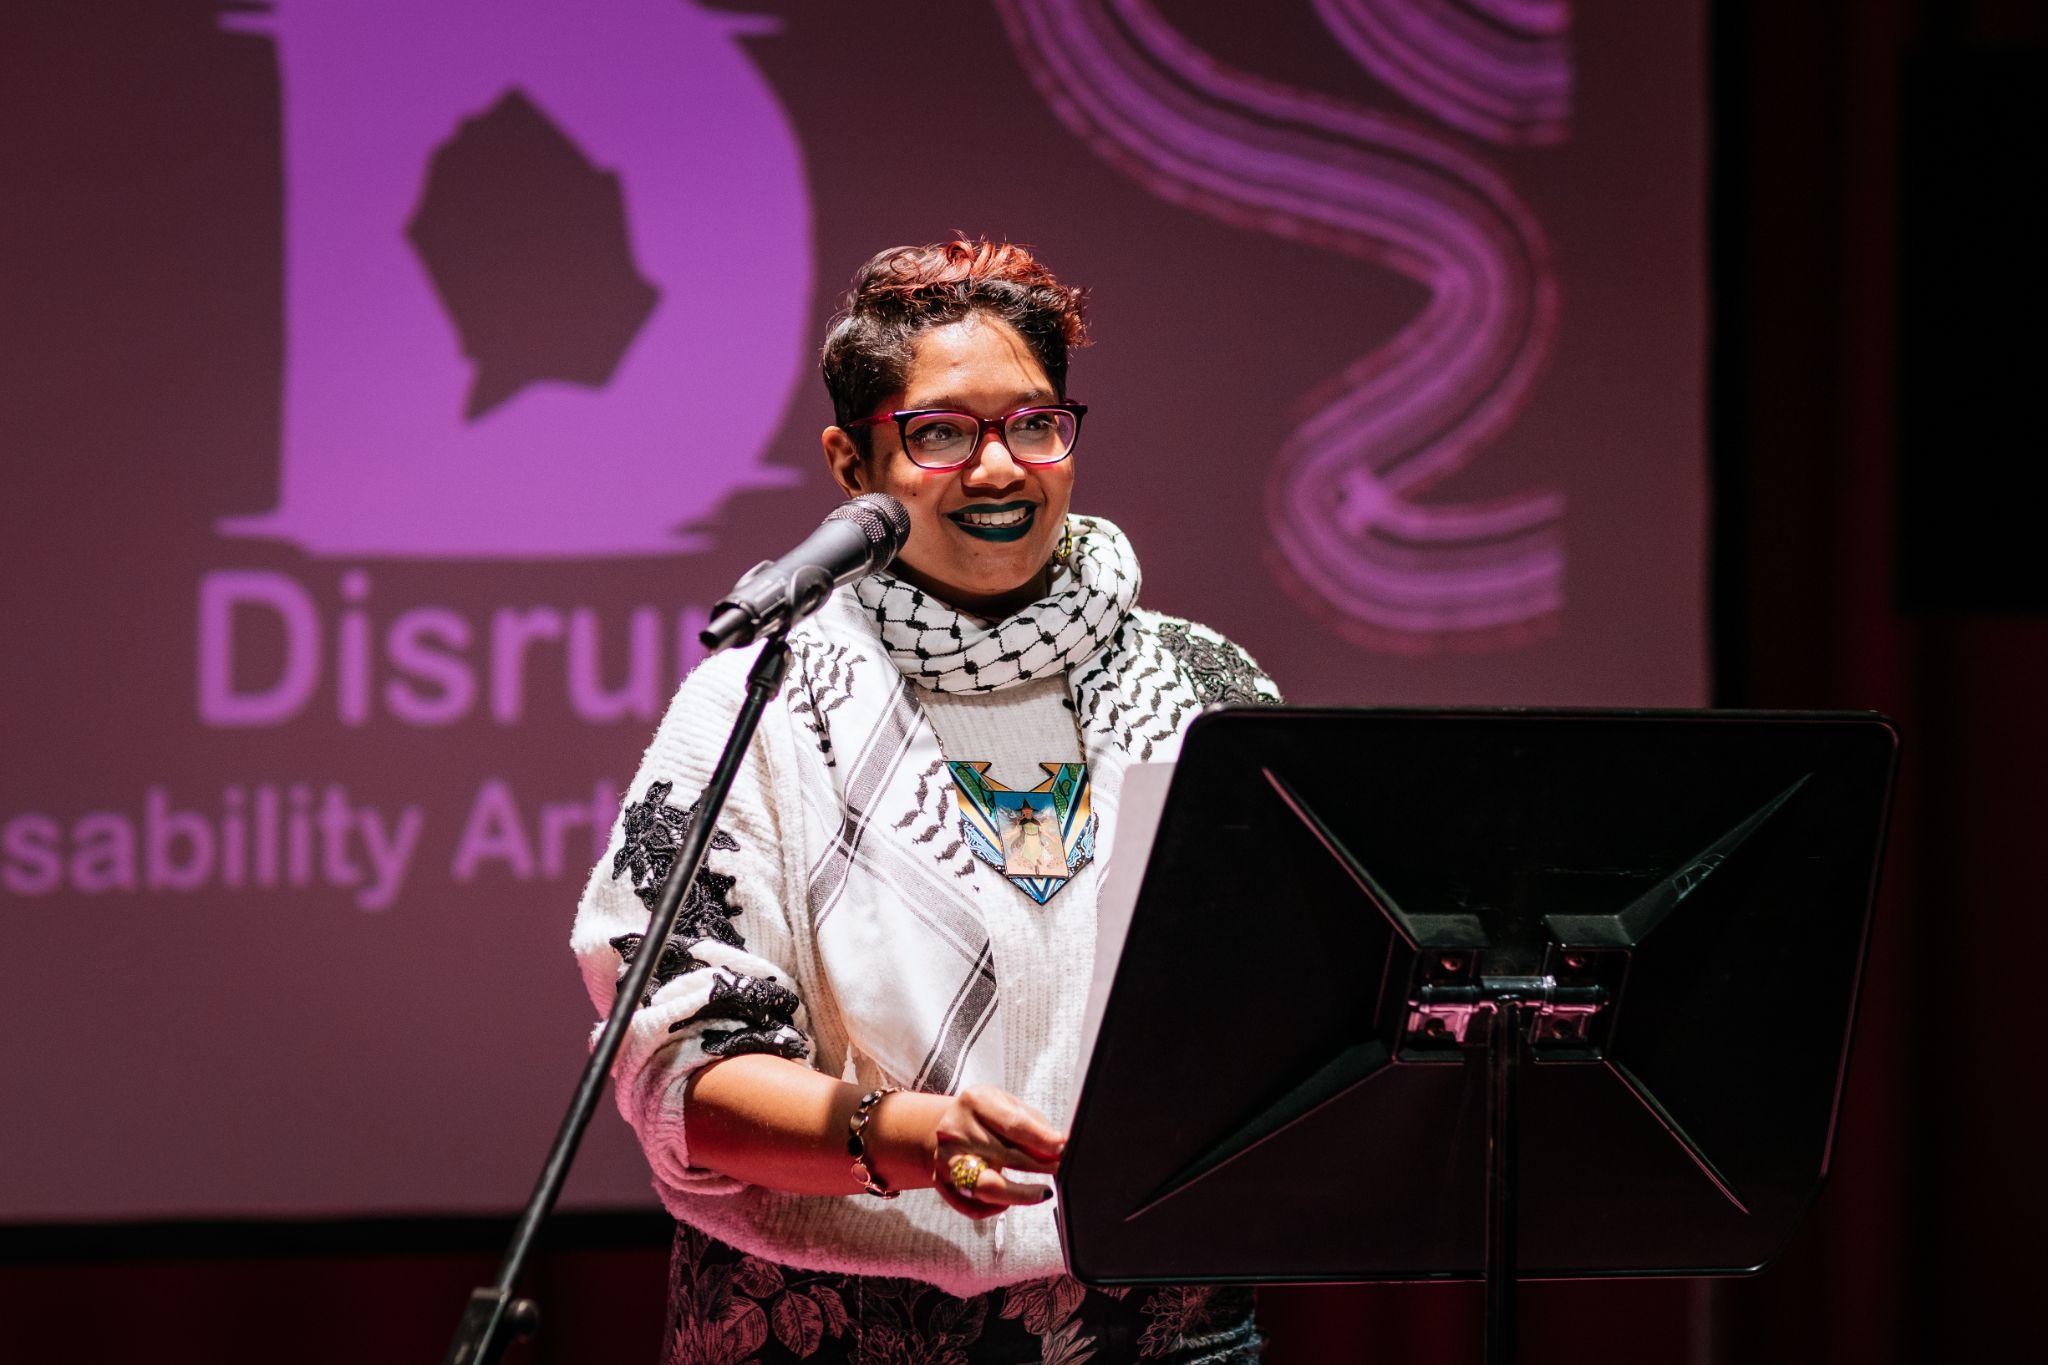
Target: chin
[
  {"x": 1013, "y": 573},
  {"x": 981, "y": 581},
  {"x": 997, "y": 585}
]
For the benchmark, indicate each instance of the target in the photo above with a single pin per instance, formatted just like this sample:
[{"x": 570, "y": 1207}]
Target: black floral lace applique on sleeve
[
  {"x": 765, "y": 1010},
  {"x": 654, "y": 832},
  {"x": 675, "y": 960},
  {"x": 1215, "y": 669}
]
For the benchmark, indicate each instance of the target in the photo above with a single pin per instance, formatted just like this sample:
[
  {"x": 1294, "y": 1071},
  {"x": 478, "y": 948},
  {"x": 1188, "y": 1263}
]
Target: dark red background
[
  {"x": 1914, "y": 1250},
  {"x": 307, "y": 1058}
]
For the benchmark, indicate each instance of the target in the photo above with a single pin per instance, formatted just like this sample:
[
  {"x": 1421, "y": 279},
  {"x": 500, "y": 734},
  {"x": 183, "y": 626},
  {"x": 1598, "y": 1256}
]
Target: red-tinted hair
[{"x": 907, "y": 290}]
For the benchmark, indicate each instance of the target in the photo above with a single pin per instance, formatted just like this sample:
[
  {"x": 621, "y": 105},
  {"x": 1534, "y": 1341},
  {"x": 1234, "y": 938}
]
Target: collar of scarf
[{"x": 945, "y": 649}]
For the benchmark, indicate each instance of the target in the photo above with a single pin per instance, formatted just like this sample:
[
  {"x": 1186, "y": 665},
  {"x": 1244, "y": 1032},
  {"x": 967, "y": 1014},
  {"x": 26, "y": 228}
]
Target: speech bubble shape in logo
[{"x": 379, "y": 455}]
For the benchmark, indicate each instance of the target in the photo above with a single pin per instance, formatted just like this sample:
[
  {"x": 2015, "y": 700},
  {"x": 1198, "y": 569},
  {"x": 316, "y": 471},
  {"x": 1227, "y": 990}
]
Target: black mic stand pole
[{"x": 494, "y": 1316}]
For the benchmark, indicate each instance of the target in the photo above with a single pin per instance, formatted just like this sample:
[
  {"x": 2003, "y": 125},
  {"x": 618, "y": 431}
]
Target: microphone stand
[{"x": 494, "y": 1317}]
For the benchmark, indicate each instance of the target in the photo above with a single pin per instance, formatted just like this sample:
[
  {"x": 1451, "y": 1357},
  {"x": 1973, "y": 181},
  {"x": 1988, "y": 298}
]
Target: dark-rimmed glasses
[{"x": 939, "y": 438}]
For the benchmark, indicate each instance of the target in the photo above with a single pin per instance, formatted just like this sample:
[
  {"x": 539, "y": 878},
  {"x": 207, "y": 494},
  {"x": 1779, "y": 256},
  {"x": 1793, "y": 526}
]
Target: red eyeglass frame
[{"x": 903, "y": 416}]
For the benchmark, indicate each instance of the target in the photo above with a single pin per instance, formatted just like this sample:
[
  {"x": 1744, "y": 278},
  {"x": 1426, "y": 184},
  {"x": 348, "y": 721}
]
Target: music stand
[{"x": 1455, "y": 995}]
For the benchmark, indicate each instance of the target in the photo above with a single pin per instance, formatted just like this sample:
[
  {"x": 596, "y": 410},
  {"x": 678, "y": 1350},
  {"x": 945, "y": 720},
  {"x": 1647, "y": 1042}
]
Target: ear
[{"x": 842, "y": 460}]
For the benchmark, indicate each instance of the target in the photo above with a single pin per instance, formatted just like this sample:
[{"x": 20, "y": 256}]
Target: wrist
[
  {"x": 863, "y": 1169},
  {"x": 903, "y": 1136}
]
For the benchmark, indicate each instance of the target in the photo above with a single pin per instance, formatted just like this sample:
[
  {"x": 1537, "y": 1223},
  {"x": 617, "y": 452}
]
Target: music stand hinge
[{"x": 1455, "y": 1005}]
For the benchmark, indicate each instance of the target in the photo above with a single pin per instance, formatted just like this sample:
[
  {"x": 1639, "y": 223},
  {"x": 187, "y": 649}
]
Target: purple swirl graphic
[
  {"x": 1343, "y": 499},
  {"x": 1499, "y": 69}
]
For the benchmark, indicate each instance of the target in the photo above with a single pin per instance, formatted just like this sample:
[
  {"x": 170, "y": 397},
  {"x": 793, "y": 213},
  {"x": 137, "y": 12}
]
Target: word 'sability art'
[{"x": 1345, "y": 505}]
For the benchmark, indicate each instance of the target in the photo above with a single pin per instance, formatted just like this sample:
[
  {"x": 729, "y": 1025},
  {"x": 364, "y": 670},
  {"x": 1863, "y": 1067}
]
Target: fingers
[
  {"x": 960, "y": 1203},
  {"x": 1011, "y": 1159},
  {"x": 999, "y": 1133},
  {"x": 1016, "y": 1124},
  {"x": 991, "y": 1190},
  {"x": 976, "y": 1138},
  {"x": 992, "y": 1186}
]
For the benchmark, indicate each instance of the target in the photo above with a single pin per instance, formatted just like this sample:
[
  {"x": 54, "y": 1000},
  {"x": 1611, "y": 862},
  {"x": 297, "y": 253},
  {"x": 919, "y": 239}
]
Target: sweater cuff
[{"x": 663, "y": 1137}]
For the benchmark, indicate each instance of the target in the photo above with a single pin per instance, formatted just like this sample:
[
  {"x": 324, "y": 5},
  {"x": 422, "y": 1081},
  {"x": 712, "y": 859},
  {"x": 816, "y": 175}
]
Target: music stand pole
[
  {"x": 1503, "y": 1063},
  {"x": 494, "y": 1317}
]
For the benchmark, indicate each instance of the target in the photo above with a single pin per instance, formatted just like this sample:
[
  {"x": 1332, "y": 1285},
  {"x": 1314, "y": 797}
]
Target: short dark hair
[{"x": 908, "y": 290}]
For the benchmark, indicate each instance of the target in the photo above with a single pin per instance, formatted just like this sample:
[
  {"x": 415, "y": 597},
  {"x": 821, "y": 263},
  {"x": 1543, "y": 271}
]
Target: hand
[{"x": 1004, "y": 1132}]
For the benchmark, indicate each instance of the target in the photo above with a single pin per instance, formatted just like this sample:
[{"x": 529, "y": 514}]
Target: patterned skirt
[{"x": 728, "y": 1308}]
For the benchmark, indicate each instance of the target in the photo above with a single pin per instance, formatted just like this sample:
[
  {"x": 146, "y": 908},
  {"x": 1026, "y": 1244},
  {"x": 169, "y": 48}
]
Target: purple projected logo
[
  {"x": 548, "y": 272},
  {"x": 1345, "y": 499}
]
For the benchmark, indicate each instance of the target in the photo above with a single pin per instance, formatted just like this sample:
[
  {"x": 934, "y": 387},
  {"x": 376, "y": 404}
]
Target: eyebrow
[{"x": 954, "y": 403}]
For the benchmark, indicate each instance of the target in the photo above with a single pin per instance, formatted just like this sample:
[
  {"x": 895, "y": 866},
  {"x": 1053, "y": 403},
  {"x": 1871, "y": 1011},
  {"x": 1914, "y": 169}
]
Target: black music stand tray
[{"x": 1484, "y": 994}]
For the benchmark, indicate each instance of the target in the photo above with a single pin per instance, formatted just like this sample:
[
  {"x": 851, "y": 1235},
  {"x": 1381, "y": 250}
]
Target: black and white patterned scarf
[{"x": 946, "y": 650}]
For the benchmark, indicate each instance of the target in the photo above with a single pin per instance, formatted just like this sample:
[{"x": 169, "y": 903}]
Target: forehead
[{"x": 978, "y": 358}]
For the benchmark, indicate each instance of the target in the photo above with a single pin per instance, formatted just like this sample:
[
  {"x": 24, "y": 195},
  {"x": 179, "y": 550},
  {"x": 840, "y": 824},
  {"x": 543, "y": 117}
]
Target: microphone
[{"x": 861, "y": 536}]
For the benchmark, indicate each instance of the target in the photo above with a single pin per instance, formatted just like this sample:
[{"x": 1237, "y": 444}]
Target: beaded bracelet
[{"x": 857, "y": 1145}]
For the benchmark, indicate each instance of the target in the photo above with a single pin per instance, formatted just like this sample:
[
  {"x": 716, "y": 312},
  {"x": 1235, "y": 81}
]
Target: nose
[{"x": 993, "y": 466}]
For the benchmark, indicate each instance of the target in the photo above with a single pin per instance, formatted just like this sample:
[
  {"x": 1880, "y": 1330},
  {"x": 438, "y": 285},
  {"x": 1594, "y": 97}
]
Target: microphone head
[{"x": 883, "y": 520}]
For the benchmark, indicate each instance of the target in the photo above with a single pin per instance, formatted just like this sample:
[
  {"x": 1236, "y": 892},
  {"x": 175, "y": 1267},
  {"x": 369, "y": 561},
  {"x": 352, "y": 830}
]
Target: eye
[{"x": 933, "y": 433}]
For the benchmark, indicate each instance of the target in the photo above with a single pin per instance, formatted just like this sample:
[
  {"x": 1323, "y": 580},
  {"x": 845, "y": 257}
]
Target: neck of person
[{"x": 990, "y": 607}]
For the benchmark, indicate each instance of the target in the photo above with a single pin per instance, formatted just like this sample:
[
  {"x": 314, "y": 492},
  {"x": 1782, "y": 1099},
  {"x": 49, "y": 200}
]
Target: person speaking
[{"x": 845, "y": 1071}]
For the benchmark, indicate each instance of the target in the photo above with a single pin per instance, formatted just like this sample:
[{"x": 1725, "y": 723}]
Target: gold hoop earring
[{"x": 1065, "y": 552}]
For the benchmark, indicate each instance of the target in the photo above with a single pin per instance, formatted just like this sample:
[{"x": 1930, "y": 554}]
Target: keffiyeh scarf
[{"x": 946, "y": 650}]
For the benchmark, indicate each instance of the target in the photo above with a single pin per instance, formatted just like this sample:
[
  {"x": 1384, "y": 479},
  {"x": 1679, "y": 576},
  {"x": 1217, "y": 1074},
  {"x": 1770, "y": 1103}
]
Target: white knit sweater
[{"x": 841, "y": 919}]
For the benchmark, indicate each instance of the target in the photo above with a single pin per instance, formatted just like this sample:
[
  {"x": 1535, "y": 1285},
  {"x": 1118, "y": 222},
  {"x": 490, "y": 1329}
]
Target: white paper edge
[{"x": 1139, "y": 804}]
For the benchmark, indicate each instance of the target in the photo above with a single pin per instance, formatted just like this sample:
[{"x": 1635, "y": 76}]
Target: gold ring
[{"x": 965, "y": 1172}]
